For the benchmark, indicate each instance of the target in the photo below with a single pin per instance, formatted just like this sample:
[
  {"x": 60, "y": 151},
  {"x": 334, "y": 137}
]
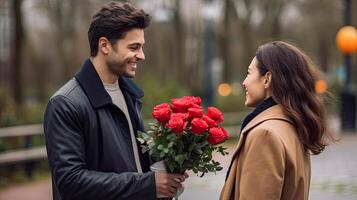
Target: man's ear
[
  {"x": 267, "y": 79},
  {"x": 104, "y": 45}
]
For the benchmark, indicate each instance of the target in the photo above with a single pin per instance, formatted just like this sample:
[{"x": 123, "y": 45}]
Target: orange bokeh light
[
  {"x": 346, "y": 39},
  {"x": 224, "y": 89},
  {"x": 320, "y": 86}
]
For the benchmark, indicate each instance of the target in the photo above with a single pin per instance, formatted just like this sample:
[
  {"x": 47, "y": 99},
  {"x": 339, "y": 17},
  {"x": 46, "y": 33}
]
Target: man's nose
[{"x": 140, "y": 55}]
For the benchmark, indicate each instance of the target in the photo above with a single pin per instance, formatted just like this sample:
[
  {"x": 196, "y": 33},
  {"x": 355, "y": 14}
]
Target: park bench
[{"x": 27, "y": 154}]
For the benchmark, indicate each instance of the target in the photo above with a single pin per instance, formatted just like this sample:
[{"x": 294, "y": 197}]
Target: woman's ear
[{"x": 267, "y": 79}]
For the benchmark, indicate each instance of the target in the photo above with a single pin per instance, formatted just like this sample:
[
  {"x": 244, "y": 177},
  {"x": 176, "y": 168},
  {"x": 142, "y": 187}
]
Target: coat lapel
[{"x": 272, "y": 113}]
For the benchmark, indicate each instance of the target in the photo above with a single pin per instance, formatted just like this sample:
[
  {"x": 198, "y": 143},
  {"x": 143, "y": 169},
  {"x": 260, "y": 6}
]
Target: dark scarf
[{"x": 267, "y": 103}]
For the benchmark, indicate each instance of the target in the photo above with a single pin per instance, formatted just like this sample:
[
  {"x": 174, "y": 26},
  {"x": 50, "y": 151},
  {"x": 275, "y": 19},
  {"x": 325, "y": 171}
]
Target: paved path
[
  {"x": 40, "y": 190},
  {"x": 334, "y": 177},
  {"x": 334, "y": 172}
]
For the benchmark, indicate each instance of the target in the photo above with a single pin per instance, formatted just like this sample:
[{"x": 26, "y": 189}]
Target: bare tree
[
  {"x": 179, "y": 36},
  {"x": 17, "y": 52},
  {"x": 272, "y": 12},
  {"x": 246, "y": 31},
  {"x": 318, "y": 36},
  {"x": 226, "y": 38},
  {"x": 62, "y": 14}
]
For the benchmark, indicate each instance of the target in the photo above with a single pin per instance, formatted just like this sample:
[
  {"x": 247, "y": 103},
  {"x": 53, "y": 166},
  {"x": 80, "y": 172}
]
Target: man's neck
[{"x": 103, "y": 71}]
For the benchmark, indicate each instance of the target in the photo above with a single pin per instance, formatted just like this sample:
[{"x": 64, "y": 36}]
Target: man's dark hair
[{"x": 112, "y": 21}]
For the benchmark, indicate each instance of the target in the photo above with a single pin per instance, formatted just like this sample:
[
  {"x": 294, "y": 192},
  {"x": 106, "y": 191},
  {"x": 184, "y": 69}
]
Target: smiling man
[{"x": 92, "y": 121}]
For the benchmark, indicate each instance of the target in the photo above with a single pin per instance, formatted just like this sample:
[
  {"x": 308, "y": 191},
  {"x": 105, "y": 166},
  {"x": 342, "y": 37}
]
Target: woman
[{"x": 272, "y": 159}]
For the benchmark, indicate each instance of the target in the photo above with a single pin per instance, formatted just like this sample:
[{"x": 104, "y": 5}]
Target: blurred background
[{"x": 193, "y": 47}]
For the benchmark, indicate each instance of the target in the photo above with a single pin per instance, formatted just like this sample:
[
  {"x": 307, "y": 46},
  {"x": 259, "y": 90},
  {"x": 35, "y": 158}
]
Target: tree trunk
[
  {"x": 323, "y": 54},
  {"x": 17, "y": 53},
  {"x": 180, "y": 46},
  {"x": 225, "y": 37},
  {"x": 226, "y": 41}
]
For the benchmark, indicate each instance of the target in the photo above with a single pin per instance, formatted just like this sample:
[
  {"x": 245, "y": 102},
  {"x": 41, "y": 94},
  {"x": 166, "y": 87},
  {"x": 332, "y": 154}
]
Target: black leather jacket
[{"x": 88, "y": 141}]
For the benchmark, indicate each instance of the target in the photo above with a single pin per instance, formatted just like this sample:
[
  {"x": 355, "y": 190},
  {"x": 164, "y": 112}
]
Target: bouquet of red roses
[{"x": 184, "y": 137}]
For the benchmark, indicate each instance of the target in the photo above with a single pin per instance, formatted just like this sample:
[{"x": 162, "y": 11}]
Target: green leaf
[
  {"x": 180, "y": 159},
  {"x": 171, "y": 144},
  {"x": 144, "y": 148},
  {"x": 162, "y": 155},
  {"x": 171, "y": 137},
  {"x": 142, "y": 141},
  {"x": 198, "y": 151},
  {"x": 170, "y": 166}
]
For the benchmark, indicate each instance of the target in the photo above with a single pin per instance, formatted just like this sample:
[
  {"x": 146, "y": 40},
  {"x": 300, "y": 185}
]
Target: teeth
[{"x": 133, "y": 65}]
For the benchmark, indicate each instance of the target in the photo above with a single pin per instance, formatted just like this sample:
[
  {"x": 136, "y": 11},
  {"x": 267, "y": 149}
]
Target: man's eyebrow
[{"x": 136, "y": 44}]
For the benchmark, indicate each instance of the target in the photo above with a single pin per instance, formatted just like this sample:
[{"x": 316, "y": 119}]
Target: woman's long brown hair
[{"x": 293, "y": 87}]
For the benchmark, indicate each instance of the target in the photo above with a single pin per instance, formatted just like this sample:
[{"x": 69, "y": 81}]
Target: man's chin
[
  {"x": 126, "y": 74},
  {"x": 129, "y": 75}
]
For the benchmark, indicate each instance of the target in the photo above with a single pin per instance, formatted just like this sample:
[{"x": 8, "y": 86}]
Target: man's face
[{"x": 125, "y": 54}]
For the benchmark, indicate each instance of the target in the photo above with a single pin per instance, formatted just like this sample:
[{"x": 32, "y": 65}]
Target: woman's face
[{"x": 255, "y": 85}]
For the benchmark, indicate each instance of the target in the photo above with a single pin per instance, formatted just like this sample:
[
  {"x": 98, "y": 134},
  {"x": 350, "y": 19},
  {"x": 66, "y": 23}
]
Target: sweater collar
[{"x": 92, "y": 85}]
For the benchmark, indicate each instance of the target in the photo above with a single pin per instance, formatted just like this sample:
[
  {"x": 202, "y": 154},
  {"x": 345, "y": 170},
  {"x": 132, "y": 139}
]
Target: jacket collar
[
  {"x": 126, "y": 84},
  {"x": 273, "y": 113},
  {"x": 93, "y": 86},
  {"x": 267, "y": 103}
]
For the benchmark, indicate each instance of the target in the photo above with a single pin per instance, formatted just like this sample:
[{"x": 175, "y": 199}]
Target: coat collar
[
  {"x": 273, "y": 113},
  {"x": 93, "y": 86}
]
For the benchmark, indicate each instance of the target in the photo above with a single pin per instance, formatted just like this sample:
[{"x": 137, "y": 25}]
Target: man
[{"x": 91, "y": 122}]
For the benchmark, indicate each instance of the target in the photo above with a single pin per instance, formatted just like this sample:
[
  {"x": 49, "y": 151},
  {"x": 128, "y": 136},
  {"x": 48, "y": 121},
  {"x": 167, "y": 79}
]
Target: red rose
[
  {"x": 209, "y": 121},
  {"x": 183, "y": 116},
  {"x": 162, "y": 115},
  {"x": 195, "y": 106},
  {"x": 215, "y": 114},
  {"x": 224, "y": 132},
  {"x": 196, "y": 100},
  {"x": 176, "y": 124},
  {"x": 217, "y": 135},
  {"x": 195, "y": 112},
  {"x": 199, "y": 126},
  {"x": 182, "y": 104},
  {"x": 160, "y": 106}
]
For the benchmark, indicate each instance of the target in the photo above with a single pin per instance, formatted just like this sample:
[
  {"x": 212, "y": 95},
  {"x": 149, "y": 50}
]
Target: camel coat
[{"x": 270, "y": 162}]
